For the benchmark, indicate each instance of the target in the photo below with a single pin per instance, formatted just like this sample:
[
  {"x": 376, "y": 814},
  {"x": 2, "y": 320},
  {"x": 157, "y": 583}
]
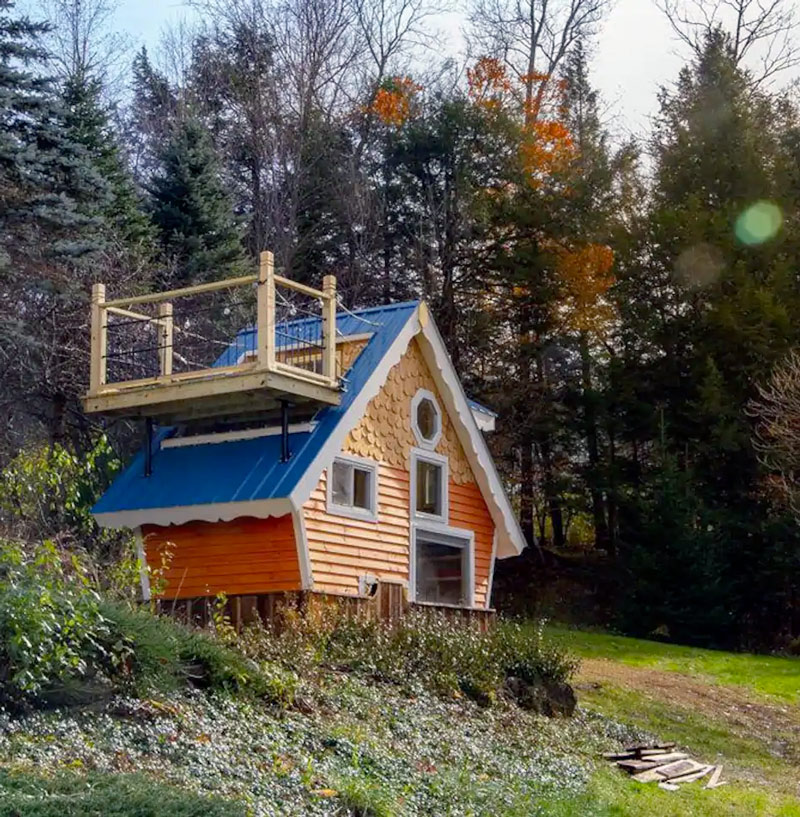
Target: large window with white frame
[
  {"x": 442, "y": 566},
  {"x": 353, "y": 488},
  {"x": 429, "y": 498}
]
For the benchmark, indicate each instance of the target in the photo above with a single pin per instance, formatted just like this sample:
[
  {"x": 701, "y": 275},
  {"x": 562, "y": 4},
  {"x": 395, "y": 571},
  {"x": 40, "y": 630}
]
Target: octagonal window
[{"x": 426, "y": 419}]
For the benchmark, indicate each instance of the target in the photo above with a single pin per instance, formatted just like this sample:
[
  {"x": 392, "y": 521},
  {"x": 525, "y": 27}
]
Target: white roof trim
[
  {"x": 355, "y": 412},
  {"x": 484, "y": 421},
  {"x": 213, "y": 438},
  {"x": 510, "y": 539},
  {"x": 180, "y": 514}
]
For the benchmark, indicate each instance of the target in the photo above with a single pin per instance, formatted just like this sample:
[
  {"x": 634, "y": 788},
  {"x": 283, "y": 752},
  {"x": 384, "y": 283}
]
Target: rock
[{"x": 546, "y": 698}]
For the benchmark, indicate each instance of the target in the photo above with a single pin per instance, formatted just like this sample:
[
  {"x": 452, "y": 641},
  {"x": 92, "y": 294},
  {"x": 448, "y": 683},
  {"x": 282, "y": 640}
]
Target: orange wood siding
[
  {"x": 468, "y": 511},
  {"x": 341, "y": 548},
  {"x": 245, "y": 555}
]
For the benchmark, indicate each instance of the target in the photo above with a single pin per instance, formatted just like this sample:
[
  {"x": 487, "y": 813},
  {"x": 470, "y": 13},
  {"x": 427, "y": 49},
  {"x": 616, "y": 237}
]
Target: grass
[
  {"x": 67, "y": 794},
  {"x": 612, "y": 795},
  {"x": 735, "y": 709},
  {"x": 768, "y": 675}
]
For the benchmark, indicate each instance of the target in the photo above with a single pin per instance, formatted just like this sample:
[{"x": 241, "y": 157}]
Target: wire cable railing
[{"x": 195, "y": 333}]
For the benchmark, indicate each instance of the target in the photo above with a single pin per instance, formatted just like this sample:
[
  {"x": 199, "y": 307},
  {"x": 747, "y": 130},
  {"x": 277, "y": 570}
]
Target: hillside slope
[{"x": 351, "y": 744}]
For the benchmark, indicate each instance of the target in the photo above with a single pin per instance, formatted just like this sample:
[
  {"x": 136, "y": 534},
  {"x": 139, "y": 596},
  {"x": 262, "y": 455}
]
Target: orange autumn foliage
[
  {"x": 546, "y": 146},
  {"x": 392, "y": 103},
  {"x": 489, "y": 85},
  {"x": 585, "y": 275}
]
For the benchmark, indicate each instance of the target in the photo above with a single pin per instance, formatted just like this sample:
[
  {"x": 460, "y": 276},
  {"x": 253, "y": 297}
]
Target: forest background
[{"x": 629, "y": 307}]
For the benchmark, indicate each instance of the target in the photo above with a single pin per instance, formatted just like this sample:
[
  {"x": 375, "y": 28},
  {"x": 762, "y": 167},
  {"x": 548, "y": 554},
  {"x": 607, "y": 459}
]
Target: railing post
[
  {"x": 329, "y": 328},
  {"x": 165, "y": 339},
  {"x": 97, "y": 356},
  {"x": 265, "y": 329}
]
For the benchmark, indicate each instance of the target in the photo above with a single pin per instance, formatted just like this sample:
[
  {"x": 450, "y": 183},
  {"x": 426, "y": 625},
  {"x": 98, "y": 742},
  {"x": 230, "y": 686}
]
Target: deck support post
[
  {"x": 285, "y": 452},
  {"x": 329, "y": 328},
  {"x": 164, "y": 328},
  {"x": 148, "y": 446}
]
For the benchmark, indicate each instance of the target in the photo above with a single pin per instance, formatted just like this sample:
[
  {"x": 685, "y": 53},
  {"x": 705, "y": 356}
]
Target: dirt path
[{"x": 740, "y": 710}]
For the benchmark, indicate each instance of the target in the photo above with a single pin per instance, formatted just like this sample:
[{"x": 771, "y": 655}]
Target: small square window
[
  {"x": 352, "y": 486},
  {"x": 441, "y": 572},
  {"x": 429, "y": 487}
]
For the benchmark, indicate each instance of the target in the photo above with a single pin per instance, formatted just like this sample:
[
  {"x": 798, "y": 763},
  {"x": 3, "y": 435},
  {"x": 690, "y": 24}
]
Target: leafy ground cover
[{"x": 349, "y": 719}]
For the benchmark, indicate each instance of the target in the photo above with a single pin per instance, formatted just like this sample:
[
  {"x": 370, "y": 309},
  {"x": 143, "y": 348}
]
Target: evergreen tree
[
  {"x": 88, "y": 123},
  {"x": 48, "y": 237},
  {"x": 192, "y": 211},
  {"x": 710, "y": 305}
]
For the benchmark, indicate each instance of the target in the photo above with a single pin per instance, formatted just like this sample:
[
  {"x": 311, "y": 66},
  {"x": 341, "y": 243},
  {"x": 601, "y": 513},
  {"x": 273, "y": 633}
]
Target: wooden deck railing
[{"x": 301, "y": 349}]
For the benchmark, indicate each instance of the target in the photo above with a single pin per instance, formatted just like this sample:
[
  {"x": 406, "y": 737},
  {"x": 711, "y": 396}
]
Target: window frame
[
  {"x": 452, "y": 537},
  {"x": 424, "y": 394},
  {"x": 352, "y": 511},
  {"x": 435, "y": 459}
]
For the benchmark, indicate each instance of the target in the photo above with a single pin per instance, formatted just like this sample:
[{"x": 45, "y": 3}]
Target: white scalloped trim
[{"x": 181, "y": 514}]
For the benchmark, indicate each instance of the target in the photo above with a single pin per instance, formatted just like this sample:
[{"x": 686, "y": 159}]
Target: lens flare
[
  {"x": 759, "y": 223},
  {"x": 699, "y": 265}
]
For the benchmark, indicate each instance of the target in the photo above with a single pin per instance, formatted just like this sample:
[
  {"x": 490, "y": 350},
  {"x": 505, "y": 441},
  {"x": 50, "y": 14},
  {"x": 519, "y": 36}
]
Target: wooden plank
[
  {"x": 648, "y": 776},
  {"x": 298, "y": 287},
  {"x": 692, "y": 776},
  {"x": 636, "y": 765},
  {"x": 713, "y": 781},
  {"x": 171, "y": 294},
  {"x": 679, "y": 768}
]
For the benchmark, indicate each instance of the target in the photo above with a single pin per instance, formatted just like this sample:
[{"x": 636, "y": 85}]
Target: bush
[
  {"x": 423, "y": 650},
  {"x": 165, "y": 655},
  {"x": 71, "y": 795},
  {"x": 55, "y": 644}
]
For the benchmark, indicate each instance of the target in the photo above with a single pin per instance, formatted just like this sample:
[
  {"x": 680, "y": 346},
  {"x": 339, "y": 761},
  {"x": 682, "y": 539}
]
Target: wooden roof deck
[{"x": 259, "y": 378}]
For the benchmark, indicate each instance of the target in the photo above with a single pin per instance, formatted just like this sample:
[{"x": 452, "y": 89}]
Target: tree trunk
[{"x": 601, "y": 534}]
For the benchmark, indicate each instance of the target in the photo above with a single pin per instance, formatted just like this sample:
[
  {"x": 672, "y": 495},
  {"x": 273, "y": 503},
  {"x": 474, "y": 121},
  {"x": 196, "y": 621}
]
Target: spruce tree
[
  {"x": 88, "y": 122},
  {"x": 192, "y": 211},
  {"x": 48, "y": 237},
  {"x": 711, "y": 308}
]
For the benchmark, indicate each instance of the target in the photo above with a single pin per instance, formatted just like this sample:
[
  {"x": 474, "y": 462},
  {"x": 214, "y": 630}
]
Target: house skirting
[{"x": 389, "y": 603}]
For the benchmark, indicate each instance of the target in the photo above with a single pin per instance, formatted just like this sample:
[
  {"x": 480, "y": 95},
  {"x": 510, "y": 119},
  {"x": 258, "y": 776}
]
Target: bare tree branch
[
  {"x": 764, "y": 34},
  {"x": 532, "y": 36}
]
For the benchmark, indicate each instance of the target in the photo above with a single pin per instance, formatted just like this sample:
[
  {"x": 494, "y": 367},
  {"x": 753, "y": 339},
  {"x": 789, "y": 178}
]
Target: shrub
[
  {"x": 422, "y": 650},
  {"x": 71, "y": 795},
  {"x": 165, "y": 655},
  {"x": 55, "y": 644}
]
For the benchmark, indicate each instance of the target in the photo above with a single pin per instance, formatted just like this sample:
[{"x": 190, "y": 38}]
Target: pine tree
[
  {"x": 48, "y": 237},
  {"x": 192, "y": 211},
  {"x": 708, "y": 312},
  {"x": 88, "y": 123}
]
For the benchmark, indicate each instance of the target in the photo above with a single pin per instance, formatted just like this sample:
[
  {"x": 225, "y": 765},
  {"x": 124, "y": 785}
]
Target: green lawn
[
  {"x": 760, "y": 762},
  {"x": 768, "y": 675}
]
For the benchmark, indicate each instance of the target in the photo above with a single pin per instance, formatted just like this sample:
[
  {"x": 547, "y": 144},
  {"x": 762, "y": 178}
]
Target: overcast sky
[{"x": 635, "y": 53}]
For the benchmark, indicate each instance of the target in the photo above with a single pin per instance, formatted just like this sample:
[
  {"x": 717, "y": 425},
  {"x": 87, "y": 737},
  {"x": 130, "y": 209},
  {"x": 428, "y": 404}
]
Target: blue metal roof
[
  {"x": 476, "y": 406},
  {"x": 246, "y": 470}
]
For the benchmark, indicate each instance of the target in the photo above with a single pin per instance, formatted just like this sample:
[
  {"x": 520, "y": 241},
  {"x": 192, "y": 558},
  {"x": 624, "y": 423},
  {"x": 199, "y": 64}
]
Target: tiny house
[{"x": 324, "y": 452}]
